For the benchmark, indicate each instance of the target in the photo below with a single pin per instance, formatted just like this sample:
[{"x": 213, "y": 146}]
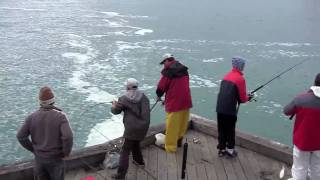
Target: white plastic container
[{"x": 160, "y": 138}]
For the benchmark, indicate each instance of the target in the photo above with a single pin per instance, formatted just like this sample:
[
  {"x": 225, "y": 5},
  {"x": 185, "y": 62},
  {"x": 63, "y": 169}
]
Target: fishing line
[
  {"x": 283, "y": 72},
  {"x": 115, "y": 147}
]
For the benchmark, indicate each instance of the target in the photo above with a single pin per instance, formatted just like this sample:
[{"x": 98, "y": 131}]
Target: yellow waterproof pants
[{"x": 176, "y": 127}]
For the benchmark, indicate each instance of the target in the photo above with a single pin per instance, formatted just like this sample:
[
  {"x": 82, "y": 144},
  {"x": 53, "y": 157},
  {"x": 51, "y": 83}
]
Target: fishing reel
[{"x": 252, "y": 97}]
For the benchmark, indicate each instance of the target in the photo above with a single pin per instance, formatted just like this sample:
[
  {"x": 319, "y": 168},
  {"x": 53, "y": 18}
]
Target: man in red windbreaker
[
  {"x": 174, "y": 83},
  {"x": 232, "y": 93},
  {"x": 306, "y": 133}
]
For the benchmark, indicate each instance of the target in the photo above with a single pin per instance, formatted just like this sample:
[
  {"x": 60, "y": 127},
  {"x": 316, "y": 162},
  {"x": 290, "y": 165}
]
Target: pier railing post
[{"x": 184, "y": 160}]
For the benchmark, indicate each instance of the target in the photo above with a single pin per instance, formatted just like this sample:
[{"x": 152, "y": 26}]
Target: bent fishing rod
[
  {"x": 268, "y": 82},
  {"x": 283, "y": 72}
]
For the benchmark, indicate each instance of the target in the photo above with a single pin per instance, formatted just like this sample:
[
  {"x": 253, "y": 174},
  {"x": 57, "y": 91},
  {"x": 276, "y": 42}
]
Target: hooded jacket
[
  {"x": 51, "y": 135},
  {"x": 232, "y": 91},
  {"x": 175, "y": 84},
  {"x": 136, "y": 118},
  {"x": 306, "y": 108}
]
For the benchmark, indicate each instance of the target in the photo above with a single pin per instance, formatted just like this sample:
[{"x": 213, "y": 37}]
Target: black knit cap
[{"x": 317, "y": 80}]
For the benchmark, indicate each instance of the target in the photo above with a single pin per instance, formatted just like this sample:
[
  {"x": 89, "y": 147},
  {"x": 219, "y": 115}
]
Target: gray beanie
[
  {"x": 317, "y": 80},
  {"x": 238, "y": 63}
]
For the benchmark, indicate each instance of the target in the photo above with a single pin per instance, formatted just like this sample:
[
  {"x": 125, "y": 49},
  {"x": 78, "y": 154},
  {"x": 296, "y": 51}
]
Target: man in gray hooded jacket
[{"x": 136, "y": 119}]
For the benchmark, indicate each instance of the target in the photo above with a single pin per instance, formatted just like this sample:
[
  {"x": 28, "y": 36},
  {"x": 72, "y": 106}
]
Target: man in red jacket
[
  {"x": 174, "y": 83},
  {"x": 232, "y": 93},
  {"x": 306, "y": 133}
]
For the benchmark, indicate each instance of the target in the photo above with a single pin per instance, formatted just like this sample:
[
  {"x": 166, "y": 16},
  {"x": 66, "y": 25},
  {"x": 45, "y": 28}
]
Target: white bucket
[{"x": 160, "y": 138}]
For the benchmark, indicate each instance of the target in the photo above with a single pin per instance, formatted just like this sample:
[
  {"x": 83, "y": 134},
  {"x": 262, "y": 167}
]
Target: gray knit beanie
[
  {"x": 317, "y": 80},
  {"x": 238, "y": 63}
]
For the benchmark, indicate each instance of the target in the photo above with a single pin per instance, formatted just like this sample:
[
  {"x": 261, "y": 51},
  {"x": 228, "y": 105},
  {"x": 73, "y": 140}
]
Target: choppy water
[{"x": 86, "y": 49}]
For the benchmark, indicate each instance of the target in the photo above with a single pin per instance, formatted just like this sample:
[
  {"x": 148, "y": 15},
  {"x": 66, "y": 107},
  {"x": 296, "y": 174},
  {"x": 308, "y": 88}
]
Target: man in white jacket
[{"x": 306, "y": 136}]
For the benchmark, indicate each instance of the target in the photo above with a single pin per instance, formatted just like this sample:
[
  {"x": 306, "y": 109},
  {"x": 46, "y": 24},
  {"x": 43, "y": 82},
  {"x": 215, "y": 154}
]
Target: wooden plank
[
  {"x": 227, "y": 163},
  {"x": 249, "y": 168},
  {"x": 179, "y": 157},
  {"x": 196, "y": 149},
  {"x": 217, "y": 161},
  {"x": 238, "y": 169},
  {"x": 191, "y": 164},
  {"x": 172, "y": 166},
  {"x": 132, "y": 171},
  {"x": 268, "y": 170},
  {"x": 207, "y": 158},
  {"x": 152, "y": 163},
  {"x": 162, "y": 165},
  {"x": 261, "y": 145},
  {"x": 141, "y": 172}
]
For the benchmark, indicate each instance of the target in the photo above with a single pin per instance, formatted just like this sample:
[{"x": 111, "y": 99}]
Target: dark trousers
[
  {"x": 129, "y": 146},
  {"x": 226, "y": 131},
  {"x": 48, "y": 169}
]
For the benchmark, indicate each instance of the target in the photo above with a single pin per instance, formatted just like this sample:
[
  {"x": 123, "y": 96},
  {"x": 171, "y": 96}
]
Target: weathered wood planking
[
  {"x": 203, "y": 161},
  {"x": 260, "y": 145}
]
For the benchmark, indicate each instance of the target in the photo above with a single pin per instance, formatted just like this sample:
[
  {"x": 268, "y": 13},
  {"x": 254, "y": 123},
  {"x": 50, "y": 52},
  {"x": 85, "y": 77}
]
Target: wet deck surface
[{"x": 203, "y": 164}]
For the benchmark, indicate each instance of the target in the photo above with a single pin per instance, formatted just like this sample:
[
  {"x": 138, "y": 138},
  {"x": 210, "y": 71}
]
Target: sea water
[{"x": 86, "y": 49}]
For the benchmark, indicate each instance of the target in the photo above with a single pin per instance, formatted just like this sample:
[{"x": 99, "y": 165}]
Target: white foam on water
[
  {"x": 106, "y": 131},
  {"x": 277, "y": 105},
  {"x": 287, "y": 44},
  {"x": 114, "y": 23},
  {"x": 79, "y": 42},
  {"x": 289, "y": 53},
  {"x": 84, "y": 64},
  {"x": 196, "y": 82},
  {"x": 145, "y": 87},
  {"x": 76, "y": 82},
  {"x": 214, "y": 60},
  {"x": 78, "y": 57},
  {"x": 118, "y": 33},
  {"x": 22, "y": 9},
  {"x": 122, "y": 45},
  {"x": 266, "y": 109},
  {"x": 99, "y": 96},
  {"x": 110, "y": 14},
  {"x": 116, "y": 14},
  {"x": 143, "y": 31}
]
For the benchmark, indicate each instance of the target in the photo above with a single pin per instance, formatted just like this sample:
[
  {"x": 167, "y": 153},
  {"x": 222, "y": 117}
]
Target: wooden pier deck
[
  {"x": 258, "y": 158},
  {"x": 203, "y": 163}
]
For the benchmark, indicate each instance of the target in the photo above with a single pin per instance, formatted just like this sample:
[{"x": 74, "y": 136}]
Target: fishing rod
[
  {"x": 154, "y": 105},
  {"x": 285, "y": 71},
  {"x": 115, "y": 146}
]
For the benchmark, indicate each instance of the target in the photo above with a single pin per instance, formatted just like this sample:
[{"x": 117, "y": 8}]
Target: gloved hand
[{"x": 251, "y": 96}]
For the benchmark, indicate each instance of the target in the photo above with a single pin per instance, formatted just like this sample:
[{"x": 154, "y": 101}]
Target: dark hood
[{"x": 174, "y": 70}]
